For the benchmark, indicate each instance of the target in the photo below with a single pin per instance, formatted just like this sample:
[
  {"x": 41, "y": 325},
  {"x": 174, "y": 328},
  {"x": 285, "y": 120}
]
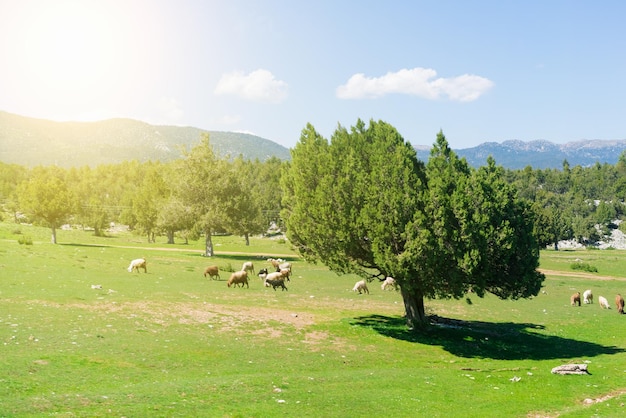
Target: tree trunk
[
  {"x": 247, "y": 239},
  {"x": 54, "y": 235},
  {"x": 414, "y": 308},
  {"x": 170, "y": 237},
  {"x": 208, "y": 243}
]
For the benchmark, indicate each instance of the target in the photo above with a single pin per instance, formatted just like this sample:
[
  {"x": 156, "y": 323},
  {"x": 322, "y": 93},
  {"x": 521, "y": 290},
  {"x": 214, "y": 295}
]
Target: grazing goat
[
  {"x": 137, "y": 264},
  {"x": 389, "y": 282},
  {"x": 262, "y": 274},
  {"x": 587, "y": 296},
  {"x": 286, "y": 274},
  {"x": 212, "y": 271},
  {"x": 575, "y": 299},
  {"x": 275, "y": 262},
  {"x": 284, "y": 266},
  {"x": 238, "y": 278},
  {"x": 274, "y": 276},
  {"x": 361, "y": 286},
  {"x": 619, "y": 302},
  {"x": 604, "y": 304},
  {"x": 248, "y": 266},
  {"x": 275, "y": 280}
]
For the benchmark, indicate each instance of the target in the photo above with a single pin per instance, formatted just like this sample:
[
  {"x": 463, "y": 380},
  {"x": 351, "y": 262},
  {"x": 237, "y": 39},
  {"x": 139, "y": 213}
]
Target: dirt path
[
  {"x": 579, "y": 274},
  {"x": 193, "y": 250}
]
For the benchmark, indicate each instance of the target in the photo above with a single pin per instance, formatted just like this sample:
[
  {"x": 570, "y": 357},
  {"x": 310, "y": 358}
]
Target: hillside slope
[{"x": 29, "y": 141}]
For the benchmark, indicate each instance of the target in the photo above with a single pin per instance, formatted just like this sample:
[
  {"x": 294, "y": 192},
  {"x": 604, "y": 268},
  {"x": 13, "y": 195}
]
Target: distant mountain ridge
[
  {"x": 542, "y": 154},
  {"x": 30, "y": 142}
]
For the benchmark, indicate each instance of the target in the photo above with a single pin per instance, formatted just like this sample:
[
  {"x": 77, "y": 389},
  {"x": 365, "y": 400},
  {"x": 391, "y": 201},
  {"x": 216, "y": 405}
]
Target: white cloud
[
  {"x": 258, "y": 86},
  {"x": 419, "y": 82}
]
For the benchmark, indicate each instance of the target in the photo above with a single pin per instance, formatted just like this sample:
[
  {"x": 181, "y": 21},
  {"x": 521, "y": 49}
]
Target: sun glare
[{"x": 69, "y": 54}]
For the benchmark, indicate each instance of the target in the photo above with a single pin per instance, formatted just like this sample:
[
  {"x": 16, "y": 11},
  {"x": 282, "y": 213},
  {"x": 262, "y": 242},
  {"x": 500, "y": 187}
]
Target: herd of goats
[
  {"x": 604, "y": 304},
  {"x": 274, "y": 279},
  {"x": 277, "y": 279}
]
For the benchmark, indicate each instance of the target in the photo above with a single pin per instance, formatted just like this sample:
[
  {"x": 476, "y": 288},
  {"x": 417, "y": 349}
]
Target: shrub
[
  {"x": 584, "y": 267},
  {"x": 25, "y": 240}
]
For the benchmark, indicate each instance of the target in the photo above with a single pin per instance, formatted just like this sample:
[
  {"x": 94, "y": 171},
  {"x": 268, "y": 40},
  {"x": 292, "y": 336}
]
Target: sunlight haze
[{"x": 480, "y": 71}]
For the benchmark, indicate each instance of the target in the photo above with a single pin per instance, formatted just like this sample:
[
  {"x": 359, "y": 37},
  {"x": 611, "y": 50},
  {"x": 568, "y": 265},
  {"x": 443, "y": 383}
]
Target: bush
[
  {"x": 25, "y": 240},
  {"x": 584, "y": 267}
]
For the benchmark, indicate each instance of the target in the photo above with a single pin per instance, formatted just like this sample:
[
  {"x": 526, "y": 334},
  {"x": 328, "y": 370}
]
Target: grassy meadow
[{"x": 80, "y": 336}]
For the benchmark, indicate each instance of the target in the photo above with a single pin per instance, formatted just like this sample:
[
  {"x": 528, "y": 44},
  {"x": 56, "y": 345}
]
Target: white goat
[
  {"x": 248, "y": 266},
  {"x": 137, "y": 264},
  {"x": 587, "y": 296},
  {"x": 389, "y": 282},
  {"x": 361, "y": 286},
  {"x": 604, "y": 304}
]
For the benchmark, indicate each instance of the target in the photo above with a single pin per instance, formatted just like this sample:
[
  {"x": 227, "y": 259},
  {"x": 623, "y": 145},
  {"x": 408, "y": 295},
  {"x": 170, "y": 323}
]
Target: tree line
[{"x": 198, "y": 195}]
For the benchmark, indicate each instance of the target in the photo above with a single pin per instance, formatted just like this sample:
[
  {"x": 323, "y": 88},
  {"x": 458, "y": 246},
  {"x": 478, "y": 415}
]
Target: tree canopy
[
  {"x": 46, "y": 198},
  {"x": 363, "y": 203}
]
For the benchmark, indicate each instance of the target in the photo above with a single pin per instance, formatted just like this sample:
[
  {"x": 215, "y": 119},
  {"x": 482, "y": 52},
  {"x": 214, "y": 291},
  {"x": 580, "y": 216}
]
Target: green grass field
[{"x": 171, "y": 343}]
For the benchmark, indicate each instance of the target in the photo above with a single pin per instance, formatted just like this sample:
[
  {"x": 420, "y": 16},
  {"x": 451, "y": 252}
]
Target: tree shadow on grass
[{"x": 494, "y": 340}]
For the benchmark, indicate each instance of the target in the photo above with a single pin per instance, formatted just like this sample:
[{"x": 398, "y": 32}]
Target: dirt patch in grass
[{"x": 193, "y": 313}]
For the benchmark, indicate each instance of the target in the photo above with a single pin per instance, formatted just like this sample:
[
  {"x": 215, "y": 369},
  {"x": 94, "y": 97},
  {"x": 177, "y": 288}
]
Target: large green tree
[
  {"x": 204, "y": 184},
  {"x": 365, "y": 204},
  {"x": 46, "y": 198}
]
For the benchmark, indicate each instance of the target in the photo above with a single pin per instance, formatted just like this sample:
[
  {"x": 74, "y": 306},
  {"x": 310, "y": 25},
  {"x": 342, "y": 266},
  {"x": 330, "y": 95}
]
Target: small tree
[
  {"x": 46, "y": 198},
  {"x": 201, "y": 185}
]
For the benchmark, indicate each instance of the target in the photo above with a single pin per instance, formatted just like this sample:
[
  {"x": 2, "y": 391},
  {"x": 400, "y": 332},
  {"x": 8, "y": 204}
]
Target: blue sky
[{"x": 478, "y": 70}]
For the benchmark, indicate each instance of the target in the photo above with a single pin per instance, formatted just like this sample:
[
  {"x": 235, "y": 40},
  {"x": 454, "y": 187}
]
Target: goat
[
  {"x": 604, "y": 304},
  {"x": 587, "y": 296},
  {"x": 238, "y": 278},
  {"x": 274, "y": 283},
  {"x": 248, "y": 266},
  {"x": 361, "y": 286},
  {"x": 137, "y": 264},
  {"x": 284, "y": 266},
  {"x": 389, "y": 282},
  {"x": 575, "y": 299},
  {"x": 275, "y": 262},
  {"x": 286, "y": 274},
  {"x": 212, "y": 271},
  {"x": 619, "y": 302}
]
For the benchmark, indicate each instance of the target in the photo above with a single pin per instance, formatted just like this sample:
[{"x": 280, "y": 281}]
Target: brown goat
[
  {"x": 238, "y": 278},
  {"x": 619, "y": 301},
  {"x": 575, "y": 299},
  {"x": 212, "y": 271}
]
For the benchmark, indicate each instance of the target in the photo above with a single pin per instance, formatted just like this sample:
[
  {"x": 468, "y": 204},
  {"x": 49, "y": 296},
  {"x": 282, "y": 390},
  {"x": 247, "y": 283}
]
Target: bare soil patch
[{"x": 578, "y": 274}]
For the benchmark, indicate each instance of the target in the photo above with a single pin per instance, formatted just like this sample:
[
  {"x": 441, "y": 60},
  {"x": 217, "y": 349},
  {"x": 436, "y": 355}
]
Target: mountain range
[{"x": 30, "y": 142}]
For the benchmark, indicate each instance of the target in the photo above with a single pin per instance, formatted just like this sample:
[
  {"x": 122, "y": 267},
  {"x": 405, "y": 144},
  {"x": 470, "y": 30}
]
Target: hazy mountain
[
  {"x": 543, "y": 154},
  {"x": 30, "y": 142}
]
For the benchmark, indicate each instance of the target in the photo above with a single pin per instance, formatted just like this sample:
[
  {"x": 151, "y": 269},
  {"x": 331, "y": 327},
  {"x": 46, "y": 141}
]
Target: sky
[{"x": 480, "y": 70}]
